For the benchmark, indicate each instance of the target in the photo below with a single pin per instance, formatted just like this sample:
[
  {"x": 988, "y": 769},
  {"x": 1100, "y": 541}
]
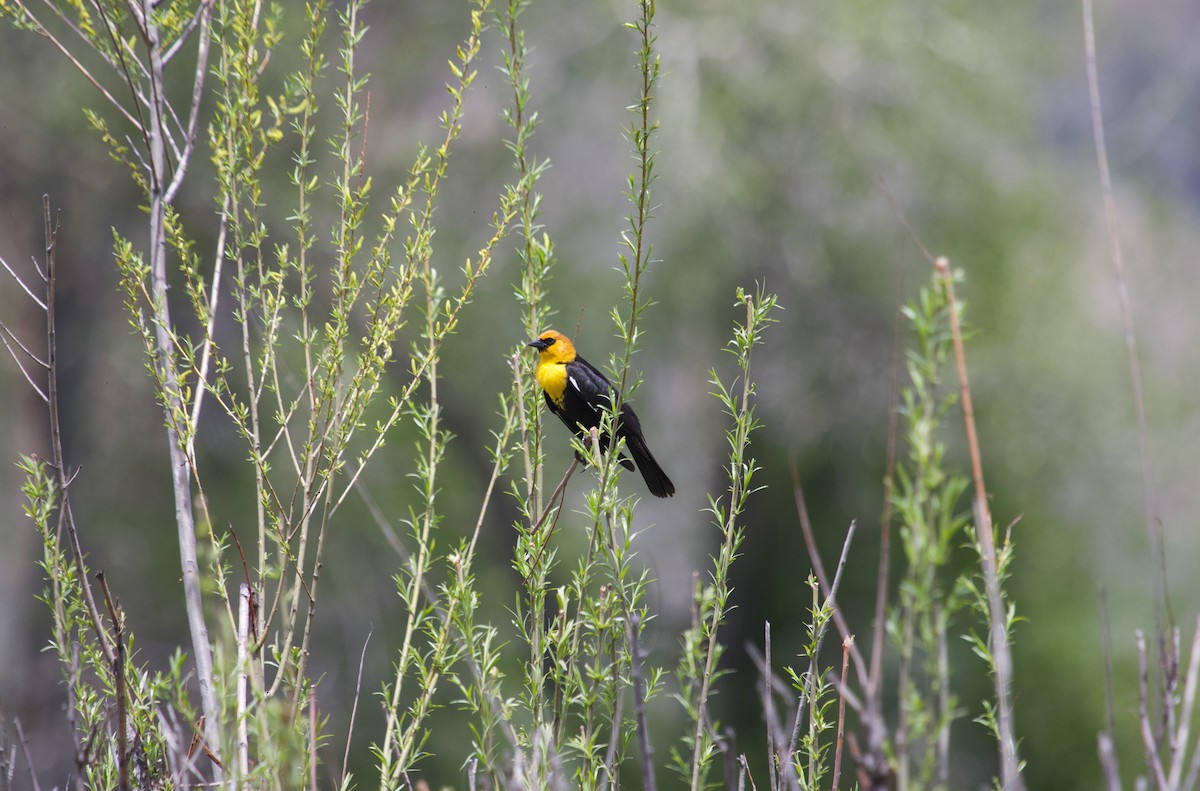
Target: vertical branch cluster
[
  {"x": 701, "y": 649},
  {"x": 925, "y": 500}
]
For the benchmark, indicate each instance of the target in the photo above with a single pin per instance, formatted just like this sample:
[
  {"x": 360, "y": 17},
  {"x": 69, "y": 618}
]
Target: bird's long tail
[{"x": 656, "y": 480}]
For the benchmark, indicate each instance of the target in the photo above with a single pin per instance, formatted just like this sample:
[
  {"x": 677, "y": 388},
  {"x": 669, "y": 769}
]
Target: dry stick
[
  {"x": 1148, "y": 741},
  {"x": 779, "y": 749},
  {"x": 66, "y": 516},
  {"x": 639, "y": 704},
  {"x": 1010, "y": 764},
  {"x": 1180, "y": 745},
  {"x": 118, "y": 664},
  {"x": 768, "y": 704},
  {"x": 1153, "y": 529},
  {"x": 810, "y": 543},
  {"x": 28, "y": 758},
  {"x": 354, "y": 710},
  {"x": 830, "y": 592},
  {"x": 841, "y": 726}
]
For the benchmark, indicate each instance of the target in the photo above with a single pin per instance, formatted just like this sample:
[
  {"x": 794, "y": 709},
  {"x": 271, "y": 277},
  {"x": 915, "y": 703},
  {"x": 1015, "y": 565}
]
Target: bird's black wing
[{"x": 587, "y": 395}]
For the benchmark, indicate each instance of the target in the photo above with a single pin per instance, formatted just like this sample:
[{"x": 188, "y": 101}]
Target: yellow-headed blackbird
[{"x": 579, "y": 394}]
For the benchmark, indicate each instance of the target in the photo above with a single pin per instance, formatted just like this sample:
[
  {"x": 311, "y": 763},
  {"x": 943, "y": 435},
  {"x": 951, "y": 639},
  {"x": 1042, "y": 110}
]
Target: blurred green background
[{"x": 791, "y": 133}]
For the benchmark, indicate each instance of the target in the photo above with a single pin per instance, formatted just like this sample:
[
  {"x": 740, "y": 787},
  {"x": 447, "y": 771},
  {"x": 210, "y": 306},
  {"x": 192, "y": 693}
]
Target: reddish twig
[
  {"x": 847, "y": 644},
  {"x": 1010, "y": 764}
]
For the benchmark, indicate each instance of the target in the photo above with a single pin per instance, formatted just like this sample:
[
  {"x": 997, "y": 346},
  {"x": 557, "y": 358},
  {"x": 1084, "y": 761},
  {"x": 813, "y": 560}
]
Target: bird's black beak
[{"x": 538, "y": 344}]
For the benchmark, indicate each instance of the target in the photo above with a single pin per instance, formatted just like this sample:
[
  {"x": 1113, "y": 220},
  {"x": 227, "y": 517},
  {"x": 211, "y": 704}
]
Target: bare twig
[
  {"x": 1149, "y": 743},
  {"x": 1010, "y": 763},
  {"x": 639, "y": 704},
  {"x": 21, "y": 282},
  {"x": 118, "y": 622},
  {"x": 28, "y": 758},
  {"x": 354, "y": 711},
  {"x": 1153, "y": 529},
  {"x": 1179, "y": 747},
  {"x": 829, "y": 591},
  {"x": 841, "y": 723},
  {"x": 204, "y": 14},
  {"x": 51, "y": 228},
  {"x": 768, "y": 704},
  {"x": 20, "y": 365}
]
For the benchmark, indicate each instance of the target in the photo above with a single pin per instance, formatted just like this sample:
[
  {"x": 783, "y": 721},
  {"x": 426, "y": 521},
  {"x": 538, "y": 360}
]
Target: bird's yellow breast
[{"x": 553, "y": 379}]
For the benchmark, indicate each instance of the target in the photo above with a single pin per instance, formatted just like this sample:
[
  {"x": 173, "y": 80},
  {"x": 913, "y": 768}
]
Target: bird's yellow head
[{"x": 554, "y": 347}]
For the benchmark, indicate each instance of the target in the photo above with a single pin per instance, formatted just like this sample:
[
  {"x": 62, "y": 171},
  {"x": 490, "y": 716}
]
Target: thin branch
[
  {"x": 189, "y": 143},
  {"x": 21, "y": 365},
  {"x": 87, "y": 75},
  {"x": 1153, "y": 529},
  {"x": 1108, "y": 762},
  {"x": 841, "y": 723},
  {"x": 202, "y": 11},
  {"x": 21, "y": 283},
  {"x": 1010, "y": 763},
  {"x": 118, "y": 669},
  {"x": 1185, "y": 713},
  {"x": 28, "y": 758},
  {"x": 1149, "y": 744},
  {"x": 66, "y": 516},
  {"x": 28, "y": 353},
  {"x": 354, "y": 710},
  {"x": 745, "y": 774},
  {"x": 206, "y": 350},
  {"x": 768, "y": 704},
  {"x": 636, "y": 657},
  {"x": 829, "y": 591}
]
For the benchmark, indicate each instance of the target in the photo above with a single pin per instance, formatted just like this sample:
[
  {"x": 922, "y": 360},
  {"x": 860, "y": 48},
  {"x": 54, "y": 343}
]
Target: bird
[{"x": 579, "y": 394}]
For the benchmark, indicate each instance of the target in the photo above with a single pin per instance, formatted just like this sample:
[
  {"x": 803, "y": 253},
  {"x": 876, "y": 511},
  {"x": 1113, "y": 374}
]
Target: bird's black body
[{"x": 582, "y": 396}]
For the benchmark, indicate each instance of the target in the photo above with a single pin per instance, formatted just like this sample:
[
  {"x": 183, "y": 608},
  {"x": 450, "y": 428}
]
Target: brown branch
[
  {"x": 118, "y": 665},
  {"x": 28, "y": 758},
  {"x": 829, "y": 591},
  {"x": 354, "y": 711},
  {"x": 1010, "y": 763},
  {"x": 51, "y": 227},
  {"x": 847, "y": 644}
]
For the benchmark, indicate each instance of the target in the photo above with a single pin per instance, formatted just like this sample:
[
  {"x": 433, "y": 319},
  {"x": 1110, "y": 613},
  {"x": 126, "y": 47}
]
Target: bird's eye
[{"x": 549, "y": 342}]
